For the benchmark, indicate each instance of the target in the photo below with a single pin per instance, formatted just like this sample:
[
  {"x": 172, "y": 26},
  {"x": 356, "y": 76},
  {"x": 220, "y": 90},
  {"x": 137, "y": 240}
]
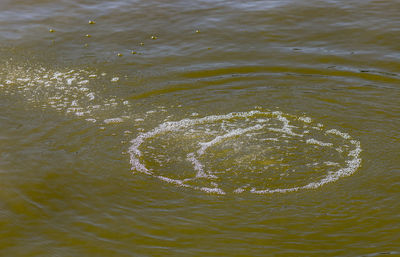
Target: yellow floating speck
[
  {"x": 51, "y": 30},
  {"x": 197, "y": 31},
  {"x": 88, "y": 35},
  {"x": 119, "y": 54},
  {"x": 92, "y": 22},
  {"x": 133, "y": 52},
  {"x": 142, "y": 44},
  {"x": 154, "y": 37}
]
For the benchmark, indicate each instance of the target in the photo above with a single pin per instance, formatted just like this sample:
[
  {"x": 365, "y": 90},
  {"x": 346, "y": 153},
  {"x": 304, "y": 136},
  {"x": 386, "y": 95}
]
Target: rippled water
[{"x": 202, "y": 128}]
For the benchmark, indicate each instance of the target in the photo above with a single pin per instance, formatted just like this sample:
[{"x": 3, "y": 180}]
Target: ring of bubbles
[{"x": 257, "y": 151}]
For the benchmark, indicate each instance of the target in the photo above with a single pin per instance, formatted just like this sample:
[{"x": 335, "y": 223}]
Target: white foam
[
  {"x": 352, "y": 166},
  {"x": 232, "y": 133},
  {"x": 286, "y": 128},
  {"x": 212, "y": 190},
  {"x": 329, "y": 163},
  {"x": 64, "y": 90},
  {"x": 91, "y": 120},
  {"x": 173, "y": 181},
  {"x": 135, "y": 153},
  {"x": 113, "y": 121},
  {"x": 352, "y": 163},
  {"x": 316, "y": 142},
  {"x": 337, "y": 132},
  {"x": 197, "y": 166},
  {"x": 305, "y": 119},
  {"x": 239, "y": 190},
  {"x": 70, "y": 80},
  {"x": 23, "y": 79},
  {"x": 91, "y": 96}
]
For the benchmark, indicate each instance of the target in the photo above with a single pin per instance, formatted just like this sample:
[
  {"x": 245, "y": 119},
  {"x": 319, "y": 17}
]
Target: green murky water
[{"x": 205, "y": 128}]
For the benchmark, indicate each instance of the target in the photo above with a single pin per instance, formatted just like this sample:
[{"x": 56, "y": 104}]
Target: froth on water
[
  {"x": 74, "y": 92},
  {"x": 255, "y": 151}
]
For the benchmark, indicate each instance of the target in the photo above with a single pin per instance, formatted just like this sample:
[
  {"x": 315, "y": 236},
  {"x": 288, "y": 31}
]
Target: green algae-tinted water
[{"x": 203, "y": 128}]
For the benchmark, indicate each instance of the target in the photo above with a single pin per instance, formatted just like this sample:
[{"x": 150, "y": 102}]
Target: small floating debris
[
  {"x": 86, "y": 45},
  {"x": 88, "y": 35},
  {"x": 51, "y": 30},
  {"x": 119, "y": 55},
  {"x": 133, "y": 52},
  {"x": 197, "y": 31},
  {"x": 154, "y": 37},
  {"x": 114, "y": 79},
  {"x": 141, "y": 43},
  {"x": 92, "y": 22}
]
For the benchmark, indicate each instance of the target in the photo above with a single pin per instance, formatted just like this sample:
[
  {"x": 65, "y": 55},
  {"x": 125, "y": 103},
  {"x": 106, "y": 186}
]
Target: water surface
[{"x": 209, "y": 128}]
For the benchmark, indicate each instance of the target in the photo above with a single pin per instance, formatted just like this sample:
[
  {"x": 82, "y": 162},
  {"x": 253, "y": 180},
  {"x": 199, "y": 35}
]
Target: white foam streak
[
  {"x": 286, "y": 128},
  {"x": 352, "y": 166},
  {"x": 232, "y": 133},
  {"x": 337, "y": 132},
  {"x": 317, "y": 142},
  {"x": 197, "y": 166},
  {"x": 113, "y": 121},
  {"x": 212, "y": 190}
]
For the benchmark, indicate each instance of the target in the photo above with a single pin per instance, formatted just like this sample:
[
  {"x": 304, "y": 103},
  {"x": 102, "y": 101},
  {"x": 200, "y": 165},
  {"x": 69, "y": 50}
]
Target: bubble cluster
[
  {"x": 72, "y": 91},
  {"x": 256, "y": 151}
]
